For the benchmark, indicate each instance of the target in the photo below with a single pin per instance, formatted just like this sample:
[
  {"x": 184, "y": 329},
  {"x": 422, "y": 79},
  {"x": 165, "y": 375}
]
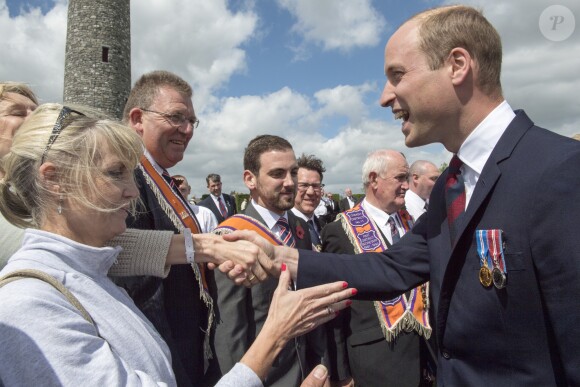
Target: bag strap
[{"x": 31, "y": 273}]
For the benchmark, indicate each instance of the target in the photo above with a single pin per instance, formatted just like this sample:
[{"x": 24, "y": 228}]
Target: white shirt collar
[
  {"x": 477, "y": 147},
  {"x": 270, "y": 218},
  {"x": 300, "y": 214}
]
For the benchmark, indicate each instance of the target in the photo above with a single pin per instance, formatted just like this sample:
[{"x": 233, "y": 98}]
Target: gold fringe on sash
[
  {"x": 407, "y": 321},
  {"x": 177, "y": 223}
]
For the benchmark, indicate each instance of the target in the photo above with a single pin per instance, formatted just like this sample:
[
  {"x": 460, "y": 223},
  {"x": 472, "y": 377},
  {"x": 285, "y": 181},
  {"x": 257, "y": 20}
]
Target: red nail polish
[
  {"x": 345, "y": 285},
  {"x": 354, "y": 292},
  {"x": 283, "y": 267},
  {"x": 348, "y": 302}
]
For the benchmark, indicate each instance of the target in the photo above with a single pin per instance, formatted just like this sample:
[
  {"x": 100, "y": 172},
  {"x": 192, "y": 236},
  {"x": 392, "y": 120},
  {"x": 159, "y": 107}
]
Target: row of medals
[{"x": 495, "y": 276}]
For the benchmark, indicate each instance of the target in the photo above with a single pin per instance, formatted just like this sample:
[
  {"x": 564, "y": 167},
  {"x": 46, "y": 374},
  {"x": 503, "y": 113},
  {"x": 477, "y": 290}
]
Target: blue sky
[{"x": 308, "y": 70}]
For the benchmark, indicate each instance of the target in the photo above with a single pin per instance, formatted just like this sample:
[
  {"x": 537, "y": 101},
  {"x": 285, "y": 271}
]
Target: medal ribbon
[
  {"x": 497, "y": 250},
  {"x": 483, "y": 248}
]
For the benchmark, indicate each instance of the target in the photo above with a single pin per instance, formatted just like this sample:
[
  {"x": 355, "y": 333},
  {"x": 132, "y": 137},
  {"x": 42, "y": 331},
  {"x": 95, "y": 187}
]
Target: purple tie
[
  {"x": 454, "y": 195},
  {"x": 394, "y": 232},
  {"x": 285, "y": 232}
]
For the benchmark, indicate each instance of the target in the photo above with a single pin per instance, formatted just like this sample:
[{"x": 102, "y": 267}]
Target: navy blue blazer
[{"x": 523, "y": 334}]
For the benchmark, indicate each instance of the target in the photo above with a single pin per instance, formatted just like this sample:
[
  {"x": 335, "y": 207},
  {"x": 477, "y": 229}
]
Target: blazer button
[{"x": 446, "y": 355}]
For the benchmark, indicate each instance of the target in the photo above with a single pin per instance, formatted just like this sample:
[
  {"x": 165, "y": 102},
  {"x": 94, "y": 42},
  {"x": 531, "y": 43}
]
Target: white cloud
[
  {"x": 200, "y": 40},
  {"x": 336, "y": 24},
  {"x": 538, "y": 75},
  {"x": 32, "y": 48}
]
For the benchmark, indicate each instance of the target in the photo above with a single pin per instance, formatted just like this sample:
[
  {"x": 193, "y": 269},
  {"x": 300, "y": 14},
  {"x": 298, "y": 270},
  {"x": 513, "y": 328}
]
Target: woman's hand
[
  {"x": 294, "y": 313},
  {"x": 291, "y": 314}
]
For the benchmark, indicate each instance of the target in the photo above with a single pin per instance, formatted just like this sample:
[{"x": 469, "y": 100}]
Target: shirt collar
[
  {"x": 379, "y": 216},
  {"x": 269, "y": 217},
  {"x": 478, "y": 146},
  {"x": 300, "y": 214}
]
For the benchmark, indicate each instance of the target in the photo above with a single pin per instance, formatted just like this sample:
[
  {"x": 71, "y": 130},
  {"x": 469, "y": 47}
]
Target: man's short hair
[
  {"x": 147, "y": 86},
  {"x": 418, "y": 168},
  {"x": 312, "y": 163},
  {"x": 444, "y": 28},
  {"x": 262, "y": 144},
  {"x": 213, "y": 177}
]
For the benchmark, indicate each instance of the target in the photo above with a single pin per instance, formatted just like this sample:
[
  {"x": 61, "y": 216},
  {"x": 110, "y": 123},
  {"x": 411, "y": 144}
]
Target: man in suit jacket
[
  {"x": 270, "y": 175},
  {"x": 348, "y": 201},
  {"x": 370, "y": 349},
  {"x": 521, "y": 182},
  {"x": 332, "y": 207},
  {"x": 160, "y": 109},
  {"x": 222, "y": 205},
  {"x": 309, "y": 194}
]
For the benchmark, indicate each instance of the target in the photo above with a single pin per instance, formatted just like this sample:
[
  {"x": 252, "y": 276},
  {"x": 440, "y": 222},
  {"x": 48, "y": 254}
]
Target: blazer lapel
[{"x": 489, "y": 176}]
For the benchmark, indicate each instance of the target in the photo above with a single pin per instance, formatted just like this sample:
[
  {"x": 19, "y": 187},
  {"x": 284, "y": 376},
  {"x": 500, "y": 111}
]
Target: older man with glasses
[{"x": 160, "y": 110}]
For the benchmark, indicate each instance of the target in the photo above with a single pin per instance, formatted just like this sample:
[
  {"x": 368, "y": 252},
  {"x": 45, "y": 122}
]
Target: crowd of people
[{"x": 465, "y": 276}]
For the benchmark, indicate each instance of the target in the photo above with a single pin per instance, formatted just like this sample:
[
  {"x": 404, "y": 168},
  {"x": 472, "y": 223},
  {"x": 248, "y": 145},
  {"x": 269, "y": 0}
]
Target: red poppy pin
[{"x": 299, "y": 232}]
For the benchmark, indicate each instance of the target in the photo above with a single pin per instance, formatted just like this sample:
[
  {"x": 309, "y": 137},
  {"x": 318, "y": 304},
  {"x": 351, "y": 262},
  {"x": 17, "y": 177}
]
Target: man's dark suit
[
  {"x": 241, "y": 313},
  {"x": 331, "y": 211},
  {"x": 230, "y": 204},
  {"x": 369, "y": 358},
  {"x": 526, "y": 333},
  {"x": 345, "y": 205},
  {"x": 173, "y": 305}
]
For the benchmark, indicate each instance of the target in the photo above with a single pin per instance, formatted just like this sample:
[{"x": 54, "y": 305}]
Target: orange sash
[
  {"x": 244, "y": 222},
  {"x": 402, "y": 313},
  {"x": 182, "y": 218}
]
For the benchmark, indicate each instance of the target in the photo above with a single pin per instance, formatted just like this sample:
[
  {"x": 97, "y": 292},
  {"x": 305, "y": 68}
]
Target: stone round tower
[{"x": 97, "y": 68}]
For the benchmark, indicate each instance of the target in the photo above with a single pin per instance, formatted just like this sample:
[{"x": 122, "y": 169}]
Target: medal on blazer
[
  {"x": 485, "y": 274},
  {"x": 498, "y": 273}
]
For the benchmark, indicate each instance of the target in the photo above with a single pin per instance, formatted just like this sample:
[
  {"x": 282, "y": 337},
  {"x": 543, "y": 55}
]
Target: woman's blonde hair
[
  {"x": 17, "y": 88},
  {"x": 76, "y": 153}
]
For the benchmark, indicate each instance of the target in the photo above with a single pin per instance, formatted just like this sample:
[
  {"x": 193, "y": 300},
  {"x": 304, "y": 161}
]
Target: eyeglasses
[
  {"x": 58, "y": 127},
  {"x": 317, "y": 187},
  {"x": 176, "y": 119}
]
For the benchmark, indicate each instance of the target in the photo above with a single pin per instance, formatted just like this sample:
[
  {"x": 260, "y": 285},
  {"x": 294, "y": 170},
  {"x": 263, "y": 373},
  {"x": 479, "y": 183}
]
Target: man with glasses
[
  {"x": 270, "y": 172},
  {"x": 160, "y": 110},
  {"x": 222, "y": 205},
  {"x": 309, "y": 194}
]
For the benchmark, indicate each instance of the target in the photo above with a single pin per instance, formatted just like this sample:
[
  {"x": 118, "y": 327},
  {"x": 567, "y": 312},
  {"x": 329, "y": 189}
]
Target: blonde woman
[{"x": 69, "y": 178}]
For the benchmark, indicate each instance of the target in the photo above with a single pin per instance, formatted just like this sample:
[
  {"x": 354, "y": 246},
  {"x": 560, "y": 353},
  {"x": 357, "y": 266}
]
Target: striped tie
[
  {"x": 394, "y": 232},
  {"x": 286, "y": 232},
  {"x": 169, "y": 179},
  {"x": 454, "y": 195},
  {"x": 223, "y": 208}
]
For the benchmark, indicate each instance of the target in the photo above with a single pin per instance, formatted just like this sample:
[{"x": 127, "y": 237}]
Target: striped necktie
[
  {"x": 454, "y": 195},
  {"x": 169, "y": 179},
  {"x": 223, "y": 210},
  {"x": 394, "y": 231},
  {"x": 285, "y": 232}
]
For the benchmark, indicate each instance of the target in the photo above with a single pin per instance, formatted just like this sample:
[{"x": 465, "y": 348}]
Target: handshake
[{"x": 248, "y": 259}]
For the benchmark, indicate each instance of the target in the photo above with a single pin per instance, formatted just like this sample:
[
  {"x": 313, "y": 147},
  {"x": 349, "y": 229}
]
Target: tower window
[{"x": 105, "y": 54}]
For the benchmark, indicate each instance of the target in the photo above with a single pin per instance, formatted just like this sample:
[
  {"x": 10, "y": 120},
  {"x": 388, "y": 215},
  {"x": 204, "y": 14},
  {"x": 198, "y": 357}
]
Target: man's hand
[{"x": 274, "y": 256}]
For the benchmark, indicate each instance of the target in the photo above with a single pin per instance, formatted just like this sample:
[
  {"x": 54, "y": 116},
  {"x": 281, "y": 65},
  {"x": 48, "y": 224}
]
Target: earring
[{"x": 59, "y": 208}]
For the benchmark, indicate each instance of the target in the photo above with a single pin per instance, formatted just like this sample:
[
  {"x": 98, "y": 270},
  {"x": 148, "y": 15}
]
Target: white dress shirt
[
  {"x": 381, "y": 218},
  {"x": 270, "y": 218},
  {"x": 478, "y": 146},
  {"x": 414, "y": 204}
]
